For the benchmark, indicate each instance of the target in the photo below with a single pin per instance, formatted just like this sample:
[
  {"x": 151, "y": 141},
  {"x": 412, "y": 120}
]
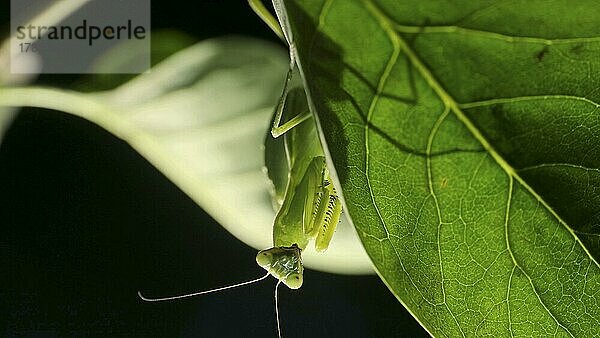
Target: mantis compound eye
[
  {"x": 264, "y": 259},
  {"x": 293, "y": 281}
]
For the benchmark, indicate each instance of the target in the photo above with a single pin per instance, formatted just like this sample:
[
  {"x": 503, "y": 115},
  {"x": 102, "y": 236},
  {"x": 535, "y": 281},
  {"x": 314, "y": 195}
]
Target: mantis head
[{"x": 283, "y": 263}]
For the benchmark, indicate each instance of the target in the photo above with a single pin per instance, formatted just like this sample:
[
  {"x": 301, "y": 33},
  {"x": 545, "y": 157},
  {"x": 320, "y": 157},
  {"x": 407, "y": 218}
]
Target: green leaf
[
  {"x": 466, "y": 138},
  {"x": 201, "y": 117}
]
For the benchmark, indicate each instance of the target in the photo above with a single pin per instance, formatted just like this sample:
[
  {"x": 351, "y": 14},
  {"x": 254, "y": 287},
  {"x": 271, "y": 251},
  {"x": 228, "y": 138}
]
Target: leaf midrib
[{"x": 387, "y": 24}]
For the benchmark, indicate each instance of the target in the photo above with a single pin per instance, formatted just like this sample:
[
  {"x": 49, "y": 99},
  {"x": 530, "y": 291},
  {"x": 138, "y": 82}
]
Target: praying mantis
[
  {"x": 311, "y": 207},
  {"x": 308, "y": 205}
]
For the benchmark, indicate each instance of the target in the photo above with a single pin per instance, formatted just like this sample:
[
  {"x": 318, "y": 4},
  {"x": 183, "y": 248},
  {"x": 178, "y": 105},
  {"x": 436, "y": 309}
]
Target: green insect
[
  {"x": 308, "y": 206},
  {"x": 311, "y": 207}
]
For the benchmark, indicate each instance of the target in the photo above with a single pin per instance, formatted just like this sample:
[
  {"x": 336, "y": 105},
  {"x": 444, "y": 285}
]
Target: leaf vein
[
  {"x": 514, "y": 259},
  {"x": 490, "y": 34},
  {"x": 430, "y": 139},
  {"x": 380, "y": 87},
  {"x": 525, "y": 98},
  {"x": 552, "y": 165}
]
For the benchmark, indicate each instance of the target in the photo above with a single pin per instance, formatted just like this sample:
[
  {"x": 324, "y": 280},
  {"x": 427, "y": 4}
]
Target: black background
[{"x": 86, "y": 222}]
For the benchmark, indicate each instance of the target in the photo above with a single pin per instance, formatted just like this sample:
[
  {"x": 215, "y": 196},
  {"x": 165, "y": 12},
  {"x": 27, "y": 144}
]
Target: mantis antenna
[
  {"x": 201, "y": 292},
  {"x": 277, "y": 309},
  {"x": 146, "y": 299}
]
